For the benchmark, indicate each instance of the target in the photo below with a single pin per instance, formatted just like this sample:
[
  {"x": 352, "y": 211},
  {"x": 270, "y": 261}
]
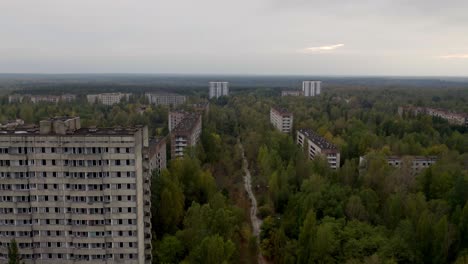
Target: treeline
[{"x": 376, "y": 214}]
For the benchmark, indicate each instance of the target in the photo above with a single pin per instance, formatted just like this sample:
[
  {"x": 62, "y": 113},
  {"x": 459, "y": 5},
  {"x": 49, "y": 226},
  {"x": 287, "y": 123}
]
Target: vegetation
[
  {"x": 377, "y": 214},
  {"x": 13, "y": 254},
  {"x": 311, "y": 214}
]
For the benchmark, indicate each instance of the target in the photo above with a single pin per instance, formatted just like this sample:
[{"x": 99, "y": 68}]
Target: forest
[{"x": 311, "y": 214}]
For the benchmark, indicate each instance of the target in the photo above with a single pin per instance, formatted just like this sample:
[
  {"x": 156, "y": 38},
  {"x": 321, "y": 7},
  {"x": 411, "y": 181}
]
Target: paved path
[{"x": 256, "y": 222}]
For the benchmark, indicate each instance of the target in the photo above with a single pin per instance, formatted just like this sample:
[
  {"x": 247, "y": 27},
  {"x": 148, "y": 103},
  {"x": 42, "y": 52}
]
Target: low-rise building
[
  {"x": 452, "y": 117},
  {"x": 417, "y": 163},
  {"x": 291, "y": 93},
  {"x": 167, "y": 99},
  {"x": 185, "y": 134},
  {"x": 17, "y": 98},
  {"x": 157, "y": 154},
  {"x": 107, "y": 98},
  {"x": 317, "y": 145},
  {"x": 281, "y": 119},
  {"x": 218, "y": 89}
]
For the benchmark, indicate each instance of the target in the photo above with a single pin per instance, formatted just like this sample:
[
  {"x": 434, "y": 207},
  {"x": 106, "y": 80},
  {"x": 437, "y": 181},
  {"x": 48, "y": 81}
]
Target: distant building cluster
[
  {"x": 218, "y": 89},
  {"x": 318, "y": 146},
  {"x": 451, "y": 117},
  {"x": 416, "y": 163},
  {"x": 107, "y": 98},
  {"x": 281, "y": 119},
  {"x": 18, "y": 98},
  {"x": 309, "y": 89},
  {"x": 167, "y": 99}
]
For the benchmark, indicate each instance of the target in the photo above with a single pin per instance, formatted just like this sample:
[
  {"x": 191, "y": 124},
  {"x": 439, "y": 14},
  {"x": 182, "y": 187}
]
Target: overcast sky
[{"x": 323, "y": 37}]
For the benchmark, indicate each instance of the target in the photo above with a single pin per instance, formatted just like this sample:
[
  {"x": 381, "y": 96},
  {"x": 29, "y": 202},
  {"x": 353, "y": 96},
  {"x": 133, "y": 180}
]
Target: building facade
[
  {"x": 107, "y": 98},
  {"x": 185, "y": 134},
  {"x": 416, "y": 163},
  {"x": 166, "y": 99},
  {"x": 317, "y": 145},
  {"x": 454, "y": 118},
  {"x": 157, "y": 154},
  {"x": 291, "y": 93},
  {"x": 14, "y": 98},
  {"x": 311, "y": 88},
  {"x": 281, "y": 119},
  {"x": 75, "y": 195},
  {"x": 218, "y": 89},
  {"x": 175, "y": 117}
]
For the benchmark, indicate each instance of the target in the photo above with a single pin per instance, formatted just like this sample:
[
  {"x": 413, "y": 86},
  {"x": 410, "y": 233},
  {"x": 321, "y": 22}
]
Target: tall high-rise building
[
  {"x": 311, "y": 88},
  {"x": 74, "y": 195},
  {"x": 281, "y": 119},
  {"x": 218, "y": 89}
]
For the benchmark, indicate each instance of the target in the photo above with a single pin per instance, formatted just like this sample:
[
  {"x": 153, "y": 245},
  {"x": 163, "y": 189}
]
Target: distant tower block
[
  {"x": 311, "y": 88},
  {"x": 218, "y": 89}
]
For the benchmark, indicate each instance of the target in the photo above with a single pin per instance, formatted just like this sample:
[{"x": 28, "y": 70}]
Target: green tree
[
  {"x": 13, "y": 254},
  {"x": 170, "y": 250},
  {"x": 213, "y": 250}
]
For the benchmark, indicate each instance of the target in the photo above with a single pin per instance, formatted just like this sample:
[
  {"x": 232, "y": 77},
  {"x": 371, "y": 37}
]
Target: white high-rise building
[
  {"x": 311, "y": 88},
  {"x": 218, "y": 89}
]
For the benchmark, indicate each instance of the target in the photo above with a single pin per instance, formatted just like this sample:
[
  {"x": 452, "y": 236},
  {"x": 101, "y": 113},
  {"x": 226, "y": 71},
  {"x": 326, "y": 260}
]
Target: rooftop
[
  {"x": 34, "y": 131},
  {"x": 188, "y": 123},
  {"x": 163, "y": 94},
  {"x": 281, "y": 110},
  {"x": 318, "y": 140},
  {"x": 418, "y": 158}
]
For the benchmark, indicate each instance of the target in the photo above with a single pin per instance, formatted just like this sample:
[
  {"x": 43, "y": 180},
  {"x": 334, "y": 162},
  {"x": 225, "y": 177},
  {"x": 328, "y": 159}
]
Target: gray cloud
[{"x": 242, "y": 36}]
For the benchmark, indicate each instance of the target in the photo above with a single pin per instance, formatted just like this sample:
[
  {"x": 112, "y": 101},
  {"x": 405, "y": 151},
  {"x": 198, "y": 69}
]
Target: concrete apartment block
[
  {"x": 75, "y": 195},
  {"x": 317, "y": 145},
  {"x": 281, "y": 119}
]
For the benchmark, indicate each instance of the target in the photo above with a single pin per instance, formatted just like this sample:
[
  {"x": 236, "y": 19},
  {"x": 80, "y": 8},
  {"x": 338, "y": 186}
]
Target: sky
[{"x": 283, "y": 37}]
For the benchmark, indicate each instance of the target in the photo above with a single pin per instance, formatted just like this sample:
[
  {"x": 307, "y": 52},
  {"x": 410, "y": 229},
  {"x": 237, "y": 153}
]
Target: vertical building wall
[
  {"x": 311, "y": 88},
  {"x": 61, "y": 173},
  {"x": 218, "y": 89}
]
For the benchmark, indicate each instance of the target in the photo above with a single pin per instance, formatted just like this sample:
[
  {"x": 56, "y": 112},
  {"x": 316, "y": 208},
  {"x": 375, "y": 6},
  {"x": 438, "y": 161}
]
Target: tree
[
  {"x": 213, "y": 250},
  {"x": 170, "y": 250},
  {"x": 13, "y": 254},
  {"x": 307, "y": 238}
]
